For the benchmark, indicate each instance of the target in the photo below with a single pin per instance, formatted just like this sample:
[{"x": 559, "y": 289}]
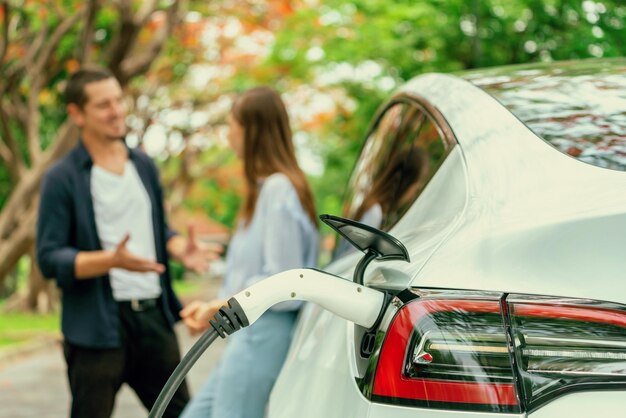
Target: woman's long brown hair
[
  {"x": 406, "y": 168},
  {"x": 268, "y": 147}
]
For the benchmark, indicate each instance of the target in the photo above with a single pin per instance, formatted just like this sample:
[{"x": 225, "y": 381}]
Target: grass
[
  {"x": 28, "y": 322},
  {"x": 186, "y": 287},
  {"x": 11, "y": 341},
  {"x": 18, "y": 327}
]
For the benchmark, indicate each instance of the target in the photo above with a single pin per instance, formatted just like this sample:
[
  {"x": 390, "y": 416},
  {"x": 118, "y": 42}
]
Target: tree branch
[
  {"x": 4, "y": 39},
  {"x": 10, "y": 153},
  {"x": 38, "y": 78},
  {"x": 29, "y": 182},
  {"x": 143, "y": 15},
  {"x": 138, "y": 64},
  {"x": 18, "y": 110},
  {"x": 13, "y": 247},
  {"x": 11, "y": 163},
  {"x": 35, "y": 47},
  {"x": 91, "y": 11},
  {"x": 13, "y": 72},
  {"x": 32, "y": 128},
  {"x": 125, "y": 38},
  {"x": 6, "y": 155},
  {"x": 65, "y": 139},
  {"x": 63, "y": 27},
  {"x": 58, "y": 11}
]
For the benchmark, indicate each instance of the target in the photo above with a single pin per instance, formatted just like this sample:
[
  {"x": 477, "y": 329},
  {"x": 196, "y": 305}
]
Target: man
[{"x": 103, "y": 236}]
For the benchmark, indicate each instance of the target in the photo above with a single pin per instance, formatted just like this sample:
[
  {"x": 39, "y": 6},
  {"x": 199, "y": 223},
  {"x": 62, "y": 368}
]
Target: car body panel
[
  {"x": 500, "y": 215},
  {"x": 584, "y": 405},
  {"x": 392, "y": 411},
  {"x": 325, "y": 387},
  {"x": 528, "y": 204},
  {"x": 428, "y": 222}
]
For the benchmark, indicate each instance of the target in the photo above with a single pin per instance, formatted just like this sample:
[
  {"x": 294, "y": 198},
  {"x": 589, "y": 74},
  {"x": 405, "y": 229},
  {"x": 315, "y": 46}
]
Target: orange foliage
[
  {"x": 191, "y": 33},
  {"x": 16, "y": 51},
  {"x": 72, "y": 65},
  {"x": 240, "y": 59},
  {"x": 318, "y": 120},
  {"x": 157, "y": 21},
  {"x": 283, "y": 8}
]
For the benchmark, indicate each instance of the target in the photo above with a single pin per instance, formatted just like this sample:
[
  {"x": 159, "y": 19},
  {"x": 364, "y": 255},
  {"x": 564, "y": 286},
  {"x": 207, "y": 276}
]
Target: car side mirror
[{"x": 376, "y": 244}]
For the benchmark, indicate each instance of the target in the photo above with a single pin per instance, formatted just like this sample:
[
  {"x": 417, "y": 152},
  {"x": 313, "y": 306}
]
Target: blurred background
[{"x": 182, "y": 62}]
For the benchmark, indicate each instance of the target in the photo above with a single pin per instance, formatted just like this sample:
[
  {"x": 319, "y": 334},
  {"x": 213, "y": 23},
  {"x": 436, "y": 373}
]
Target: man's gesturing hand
[
  {"x": 193, "y": 253},
  {"x": 124, "y": 259},
  {"x": 92, "y": 264}
]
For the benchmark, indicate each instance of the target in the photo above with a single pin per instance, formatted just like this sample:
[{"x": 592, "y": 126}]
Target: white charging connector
[{"x": 351, "y": 301}]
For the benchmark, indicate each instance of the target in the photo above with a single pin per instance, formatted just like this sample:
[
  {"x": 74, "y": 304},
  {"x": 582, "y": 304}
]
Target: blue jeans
[{"x": 240, "y": 385}]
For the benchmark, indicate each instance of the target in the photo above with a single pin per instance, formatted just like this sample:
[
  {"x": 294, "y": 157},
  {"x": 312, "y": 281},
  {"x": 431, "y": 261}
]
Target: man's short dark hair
[{"x": 75, "y": 87}]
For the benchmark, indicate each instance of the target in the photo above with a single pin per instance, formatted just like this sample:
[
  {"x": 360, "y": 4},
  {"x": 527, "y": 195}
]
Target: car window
[
  {"x": 578, "y": 106},
  {"x": 401, "y": 153}
]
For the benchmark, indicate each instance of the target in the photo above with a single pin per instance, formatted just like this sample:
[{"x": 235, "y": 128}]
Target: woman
[{"x": 276, "y": 232}]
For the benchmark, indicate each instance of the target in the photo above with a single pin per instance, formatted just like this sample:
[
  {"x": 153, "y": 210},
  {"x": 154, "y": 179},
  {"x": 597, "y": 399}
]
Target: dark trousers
[{"x": 148, "y": 356}]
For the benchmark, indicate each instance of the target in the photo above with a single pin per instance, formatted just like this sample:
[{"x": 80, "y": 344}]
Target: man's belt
[{"x": 139, "y": 305}]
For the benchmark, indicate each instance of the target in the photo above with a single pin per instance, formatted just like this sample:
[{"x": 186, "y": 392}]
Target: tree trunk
[
  {"x": 42, "y": 296},
  {"x": 17, "y": 243},
  {"x": 19, "y": 216}
]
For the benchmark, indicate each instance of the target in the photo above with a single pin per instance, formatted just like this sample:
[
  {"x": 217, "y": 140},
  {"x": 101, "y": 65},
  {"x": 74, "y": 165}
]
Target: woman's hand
[{"x": 197, "y": 314}]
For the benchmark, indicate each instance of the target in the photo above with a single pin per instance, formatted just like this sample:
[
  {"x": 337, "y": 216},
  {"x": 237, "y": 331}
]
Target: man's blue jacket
[{"x": 66, "y": 225}]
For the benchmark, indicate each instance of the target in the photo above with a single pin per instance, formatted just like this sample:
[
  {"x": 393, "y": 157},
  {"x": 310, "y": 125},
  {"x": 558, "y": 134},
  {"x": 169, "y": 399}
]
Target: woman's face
[{"x": 235, "y": 136}]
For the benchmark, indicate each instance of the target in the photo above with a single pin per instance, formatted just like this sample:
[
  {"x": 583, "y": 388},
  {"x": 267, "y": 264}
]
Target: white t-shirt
[{"x": 122, "y": 205}]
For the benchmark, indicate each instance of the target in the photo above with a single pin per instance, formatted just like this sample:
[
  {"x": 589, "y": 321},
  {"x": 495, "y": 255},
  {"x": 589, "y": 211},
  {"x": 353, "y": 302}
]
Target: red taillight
[
  {"x": 508, "y": 354},
  {"x": 563, "y": 347},
  {"x": 468, "y": 365}
]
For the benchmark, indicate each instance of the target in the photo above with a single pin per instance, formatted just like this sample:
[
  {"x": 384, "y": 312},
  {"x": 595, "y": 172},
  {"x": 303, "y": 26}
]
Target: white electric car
[{"x": 514, "y": 300}]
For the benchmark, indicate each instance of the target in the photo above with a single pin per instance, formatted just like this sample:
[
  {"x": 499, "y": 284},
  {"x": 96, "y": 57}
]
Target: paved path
[{"x": 35, "y": 384}]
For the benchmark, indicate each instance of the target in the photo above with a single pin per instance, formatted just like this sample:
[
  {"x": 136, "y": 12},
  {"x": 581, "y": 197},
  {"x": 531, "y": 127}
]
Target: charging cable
[{"x": 349, "y": 300}]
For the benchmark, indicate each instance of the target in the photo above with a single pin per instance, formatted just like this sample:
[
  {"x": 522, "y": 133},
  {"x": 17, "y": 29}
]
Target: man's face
[{"x": 104, "y": 113}]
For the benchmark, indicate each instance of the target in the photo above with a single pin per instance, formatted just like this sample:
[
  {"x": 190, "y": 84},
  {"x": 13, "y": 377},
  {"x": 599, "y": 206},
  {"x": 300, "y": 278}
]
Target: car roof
[{"x": 534, "y": 220}]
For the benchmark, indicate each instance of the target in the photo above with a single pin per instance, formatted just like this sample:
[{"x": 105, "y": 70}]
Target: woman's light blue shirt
[{"x": 279, "y": 237}]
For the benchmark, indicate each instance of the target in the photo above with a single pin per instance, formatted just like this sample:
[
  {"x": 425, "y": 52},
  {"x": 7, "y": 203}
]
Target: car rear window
[{"x": 577, "y": 106}]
